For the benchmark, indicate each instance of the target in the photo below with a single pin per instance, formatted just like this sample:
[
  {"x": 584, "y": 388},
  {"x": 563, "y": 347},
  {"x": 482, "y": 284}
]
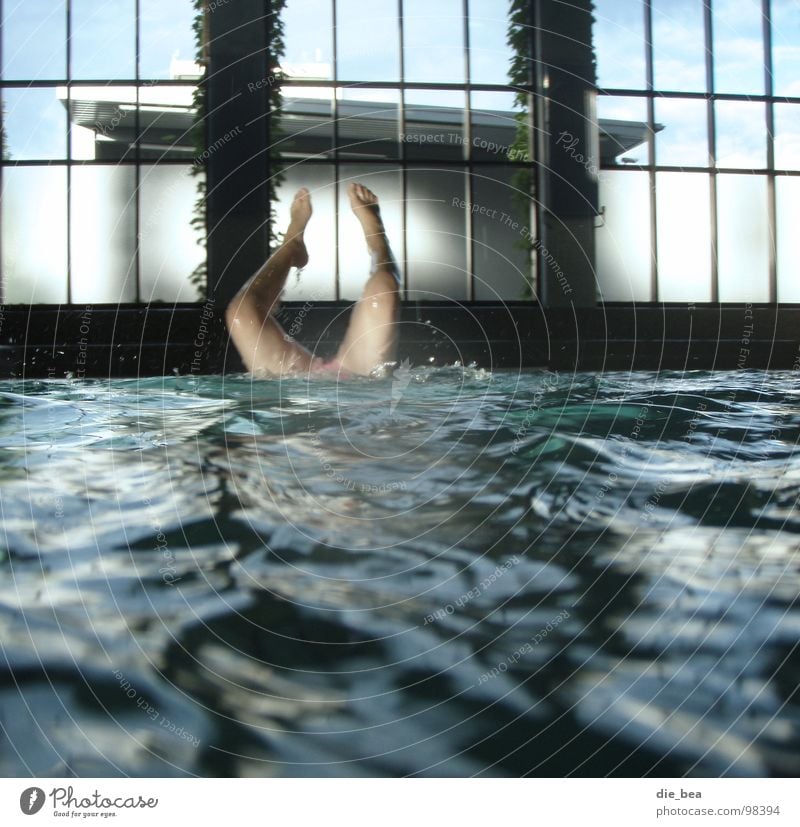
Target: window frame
[
  {"x": 133, "y": 159},
  {"x": 650, "y": 94}
]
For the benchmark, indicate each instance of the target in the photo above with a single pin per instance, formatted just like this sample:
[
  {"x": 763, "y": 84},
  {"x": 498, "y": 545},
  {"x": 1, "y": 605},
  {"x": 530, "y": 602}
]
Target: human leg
[
  {"x": 260, "y": 340},
  {"x": 371, "y": 337}
]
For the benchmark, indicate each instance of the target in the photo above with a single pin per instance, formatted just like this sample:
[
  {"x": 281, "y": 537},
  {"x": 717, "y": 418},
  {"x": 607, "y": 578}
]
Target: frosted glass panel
[
  {"x": 35, "y": 124},
  {"x": 624, "y": 245},
  {"x": 623, "y": 130},
  {"x": 681, "y": 132},
  {"x": 787, "y": 136},
  {"x": 501, "y": 235},
  {"x": 679, "y": 52},
  {"x": 34, "y": 34},
  {"x": 787, "y": 193},
  {"x": 436, "y": 235},
  {"x": 434, "y": 41},
  {"x": 168, "y": 242},
  {"x": 738, "y": 46},
  {"x": 619, "y": 44},
  {"x": 741, "y": 134},
  {"x": 684, "y": 237},
  {"x": 354, "y": 260},
  {"x": 743, "y": 238},
  {"x": 490, "y": 55},
  {"x": 167, "y": 39},
  {"x": 34, "y": 218},
  {"x": 318, "y": 280},
  {"x": 103, "y": 234},
  {"x": 368, "y": 40},
  {"x": 434, "y": 125},
  {"x": 308, "y": 36},
  {"x": 785, "y": 51},
  {"x": 103, "y": 39}
]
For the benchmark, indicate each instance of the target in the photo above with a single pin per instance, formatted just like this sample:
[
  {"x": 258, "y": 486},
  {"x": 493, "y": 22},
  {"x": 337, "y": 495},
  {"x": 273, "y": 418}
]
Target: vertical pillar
[
  {"x": 237, "y": 151},
  {"x": 569, "y": 151}
]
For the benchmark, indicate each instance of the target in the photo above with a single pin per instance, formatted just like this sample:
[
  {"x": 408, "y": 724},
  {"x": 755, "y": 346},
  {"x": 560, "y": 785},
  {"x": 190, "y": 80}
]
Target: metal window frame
[
  {"x": 402, "y": 163},
  {"x": 468, "y": 163},
  {"x": 68, "y": 163},
  {"x": 712, "y": 169}
]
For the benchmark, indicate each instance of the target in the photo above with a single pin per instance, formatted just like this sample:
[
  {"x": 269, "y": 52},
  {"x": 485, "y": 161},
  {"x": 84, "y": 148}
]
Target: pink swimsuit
[{"x": 330, "y": 366}]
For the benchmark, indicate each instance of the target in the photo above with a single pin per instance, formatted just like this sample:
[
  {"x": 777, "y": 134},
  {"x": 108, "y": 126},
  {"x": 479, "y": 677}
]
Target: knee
[
  {"x": 233, "y": 312},
  {"x": 240, "y": 311}
]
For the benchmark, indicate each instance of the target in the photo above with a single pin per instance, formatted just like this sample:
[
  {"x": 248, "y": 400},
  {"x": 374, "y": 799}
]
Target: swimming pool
[{"x": 448, "y": 572}]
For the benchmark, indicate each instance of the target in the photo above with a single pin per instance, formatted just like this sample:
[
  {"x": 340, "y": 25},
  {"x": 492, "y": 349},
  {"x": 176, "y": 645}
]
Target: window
[
  {"x": 697, "y": 133},
  {"x": 419, "y": 108},
  {"x": 98, "y": 157},
  {"x": 699, "y": 113}
]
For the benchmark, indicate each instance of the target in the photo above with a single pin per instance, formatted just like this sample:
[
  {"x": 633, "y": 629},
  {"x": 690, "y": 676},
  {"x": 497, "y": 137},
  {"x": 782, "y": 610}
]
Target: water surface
[{"x": 452, "y": 572}]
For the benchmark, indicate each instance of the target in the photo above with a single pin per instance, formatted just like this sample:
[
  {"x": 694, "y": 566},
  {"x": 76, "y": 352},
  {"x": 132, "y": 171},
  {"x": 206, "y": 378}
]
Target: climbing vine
[
  {"x": 275, "y": 50},
  {"x": 520, "y": 72}
]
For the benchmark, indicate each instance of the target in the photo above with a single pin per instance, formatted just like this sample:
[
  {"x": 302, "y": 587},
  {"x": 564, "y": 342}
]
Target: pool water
[{"x": 448, "y": 572}]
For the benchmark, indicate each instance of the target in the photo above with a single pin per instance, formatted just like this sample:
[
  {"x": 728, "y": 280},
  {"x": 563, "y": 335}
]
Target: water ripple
[{"x": 463, "y": 573}]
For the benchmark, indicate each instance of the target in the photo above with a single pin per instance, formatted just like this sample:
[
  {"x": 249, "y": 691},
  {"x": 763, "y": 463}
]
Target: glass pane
[
  {"x": 35, "y": 124},
  {"x": 168, "y": 242},
  {"x": 681, "y": 132},
  {"x": 501, "y": 235},
  {"x": 679, "y": 50},
  {"x": 34, "y": 36},
  {"x": 741, "y": 134},
  {"x": 434, "y": 41},
  {"x": 489, "y": 53},
  {"x": 103, "y": 237},
  {"x": 787, "y": 136},
  {"x": 495, "y": 128},
  {"x": 683, "y": 218},
  {"x": 317, "y": 281},
  {"x": 624, "y": 245},
  {"x": 436, "y": 234},
  {"x": 306, "y": 123},
  {"x": 368, "y": 123},
  {"x": 167, "y": 43},
  {"x": 308, "y": 28},
  {"x": 103, "y": 122},
  {"x": 166, "y": 118},
  {"x": 34, "y": 198},
  {"x": 785, "y": 51},
  {"x": 103, "y": 39},
  {"x": 434, "y": 125},
  {"x": 787, "y": 195},
  {"x": 743, "y": 238},
  {"x": 354, "y": 260},
  {"x": 738, "y": 46},
  {"x": 620, "y": 44},
  {"x": 372, "y": 56},
  {"x": 623, "y": 130}
]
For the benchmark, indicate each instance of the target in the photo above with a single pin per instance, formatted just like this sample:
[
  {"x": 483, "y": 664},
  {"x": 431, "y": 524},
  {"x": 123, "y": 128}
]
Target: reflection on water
[{"x": 473, "y": 573}]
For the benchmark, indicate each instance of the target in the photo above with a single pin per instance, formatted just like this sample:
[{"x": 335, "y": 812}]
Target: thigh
[
  {"x": 264, "y": 346},
  {"x": 371, "y": 338}
]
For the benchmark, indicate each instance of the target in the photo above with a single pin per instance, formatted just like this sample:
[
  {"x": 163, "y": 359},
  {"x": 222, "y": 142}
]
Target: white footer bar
[{"x": 401, "y": 802}]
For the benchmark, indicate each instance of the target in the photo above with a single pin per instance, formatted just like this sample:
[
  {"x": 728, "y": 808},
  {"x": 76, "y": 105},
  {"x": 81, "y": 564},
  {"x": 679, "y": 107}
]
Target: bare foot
[
  {"x": 365, "y": 208},
  {"x": 300, "y": 215}
]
